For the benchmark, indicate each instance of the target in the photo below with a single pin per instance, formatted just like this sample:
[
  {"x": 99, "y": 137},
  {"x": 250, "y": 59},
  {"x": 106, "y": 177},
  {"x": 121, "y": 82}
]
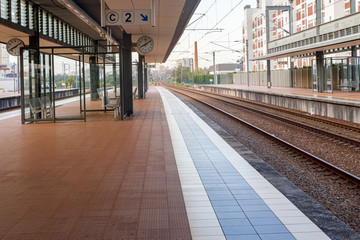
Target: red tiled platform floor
[{"x": 94, "y": 180}]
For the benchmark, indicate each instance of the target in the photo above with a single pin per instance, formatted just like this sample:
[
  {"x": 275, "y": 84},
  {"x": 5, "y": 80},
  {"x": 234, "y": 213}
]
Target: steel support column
[
  {"x": 291, "y": 30},
  {"x": 320, "y": 54},
  {"x": 268, "y": 73},
  {"x": 146, "y": 81},
  {"x": 141, "y": 77},
  {"x": 94, "y": 78},
  {"x": 353, "y": 10},
  {"x": 126, "y": 69},
  {"x": 247, "y": 63},
  {"x": 268, "y": 64},
  {"x": 320, "y": 71},
  {"x": 291, "y": 72},
  {"x": 318, "y": 12}
]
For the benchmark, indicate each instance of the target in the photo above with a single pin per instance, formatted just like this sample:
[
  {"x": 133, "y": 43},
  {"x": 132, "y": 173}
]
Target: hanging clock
[
  {"x": 145, "y": 44},
  {"x": 13, "y": 46}
]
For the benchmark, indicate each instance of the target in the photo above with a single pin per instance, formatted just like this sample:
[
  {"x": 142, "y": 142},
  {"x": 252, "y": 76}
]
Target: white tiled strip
[
  {"x": 202, "y": 218},
  {"x": 297, "y": 223}
]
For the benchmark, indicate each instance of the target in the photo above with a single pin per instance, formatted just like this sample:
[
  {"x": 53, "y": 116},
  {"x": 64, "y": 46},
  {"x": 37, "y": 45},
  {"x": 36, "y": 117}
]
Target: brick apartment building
[{"x": 304, "y": 17}]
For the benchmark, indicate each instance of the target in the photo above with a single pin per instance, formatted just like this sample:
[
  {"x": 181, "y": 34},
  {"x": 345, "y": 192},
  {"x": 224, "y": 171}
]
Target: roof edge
[{"x": 188, "y": 10}]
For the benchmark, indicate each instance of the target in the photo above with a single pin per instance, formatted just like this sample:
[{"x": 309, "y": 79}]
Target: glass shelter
[
  {"x": 340, "y": 73},
  {"x": 86, "y": 79}
]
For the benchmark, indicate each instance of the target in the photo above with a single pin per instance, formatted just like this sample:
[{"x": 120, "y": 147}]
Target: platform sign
[
  {"x": 150, "y": 66},
  {"x": 127, "y": 17}
]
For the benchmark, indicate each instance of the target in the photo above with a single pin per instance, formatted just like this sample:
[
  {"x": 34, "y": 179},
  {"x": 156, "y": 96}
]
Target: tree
[
  {"x": 181, "y": 73},
  {"x": 69, "y": 81}
]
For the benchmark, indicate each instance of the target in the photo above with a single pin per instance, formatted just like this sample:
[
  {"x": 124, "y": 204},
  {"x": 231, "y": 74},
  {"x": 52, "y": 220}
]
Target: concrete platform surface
[{"x": 336, "y": 95}]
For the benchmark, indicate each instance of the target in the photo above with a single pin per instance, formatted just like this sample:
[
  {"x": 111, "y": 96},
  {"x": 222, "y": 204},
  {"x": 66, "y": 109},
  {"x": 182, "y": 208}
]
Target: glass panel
[
  {"x": 314, "y": 77},
  {"x": 354, "y": 74},
  {"x": 50, "y": 23},
  {"x": 4, "y": 9},
  {"x": 117, "y": 76},
  {"x": 14, "y": 11},
  {"x": 135, "y": 78},
  {"x": 328, "y": 75},
  {"x": 26, "y": 79},
  {"x": 67, "y": 84},
  {"x": 31, "y": 16},
  {"x": 56, "y": 33},
  {"x": 44, "y": 23},
  {"x": 344, "y": 75},
  {"x": 23, "y": 13},
  {"x": 37, "y": 88}
]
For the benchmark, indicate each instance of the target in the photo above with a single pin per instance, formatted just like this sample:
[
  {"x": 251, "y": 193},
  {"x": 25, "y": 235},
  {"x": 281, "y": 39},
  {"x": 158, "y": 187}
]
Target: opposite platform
[{"x": 340, "y": 105}]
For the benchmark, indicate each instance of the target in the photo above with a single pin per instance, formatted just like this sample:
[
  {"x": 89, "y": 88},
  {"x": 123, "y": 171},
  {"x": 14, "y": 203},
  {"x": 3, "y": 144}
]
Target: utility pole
[
  {"x": 182, "y": 73},
  {"x": 259, "y": 71},
  {"x": 196, "y": 56},
  {"x": 247, "y": 63},
  {"x": 192, "y": 70},
  {"x": 319, "y": 54},
  {"x": 215, "y": 76},
  {"x": 353, "y": 10},
  {"x": 291, "y": 30}
]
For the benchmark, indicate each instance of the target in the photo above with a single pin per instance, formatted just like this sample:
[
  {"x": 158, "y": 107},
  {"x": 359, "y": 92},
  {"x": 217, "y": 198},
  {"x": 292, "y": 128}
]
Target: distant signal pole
[{"x": 196, "y": 56}]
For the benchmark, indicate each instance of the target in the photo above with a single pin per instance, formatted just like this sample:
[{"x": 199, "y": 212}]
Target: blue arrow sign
[
  {"x": 144, "y": 17},
  {"x": 127, "y": 17}
]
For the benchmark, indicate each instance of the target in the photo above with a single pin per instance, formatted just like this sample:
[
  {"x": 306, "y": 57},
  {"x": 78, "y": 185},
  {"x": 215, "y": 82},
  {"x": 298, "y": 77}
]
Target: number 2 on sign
[{"x": 128, "y": 17}]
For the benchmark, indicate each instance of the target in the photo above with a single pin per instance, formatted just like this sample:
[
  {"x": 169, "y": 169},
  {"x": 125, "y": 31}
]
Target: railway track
[
  {"x": 264, "y": 108},
  {"x": 315, "y": 161}
]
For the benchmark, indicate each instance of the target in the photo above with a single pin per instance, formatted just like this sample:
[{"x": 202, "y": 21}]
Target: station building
[{"x": 304, "y": 17}]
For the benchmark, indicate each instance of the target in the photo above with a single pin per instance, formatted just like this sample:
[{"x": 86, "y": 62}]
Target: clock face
[
  {"x": 13, "y": 46},
  {"x": 145, "y": 44}
]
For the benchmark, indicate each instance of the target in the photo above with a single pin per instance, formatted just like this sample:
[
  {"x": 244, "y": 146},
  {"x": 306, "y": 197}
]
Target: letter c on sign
[{"x": 112, "y": 17}]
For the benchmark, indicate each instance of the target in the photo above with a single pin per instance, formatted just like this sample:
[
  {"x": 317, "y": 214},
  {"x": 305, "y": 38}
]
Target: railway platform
[
  {"x": 163, "y": 173},
  {"x": 339, "y": 104}
]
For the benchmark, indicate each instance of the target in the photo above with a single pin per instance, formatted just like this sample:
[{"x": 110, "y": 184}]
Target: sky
[{"x": 221, "y": 25}]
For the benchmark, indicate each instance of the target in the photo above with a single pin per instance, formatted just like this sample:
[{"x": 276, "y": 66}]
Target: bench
[
  {"x": 349, "y": 86},
  {"x": 134, "y": 93},
  {"x": 104, "y": 100},
  {"x": 115, "y": 106},
  {"x": 41, "y": 105}
]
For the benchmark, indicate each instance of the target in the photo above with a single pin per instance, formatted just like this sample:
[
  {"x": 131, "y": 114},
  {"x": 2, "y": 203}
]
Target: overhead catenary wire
[
  {"x": 248, "y": 22},
  {"x": 218, "y": 22}
]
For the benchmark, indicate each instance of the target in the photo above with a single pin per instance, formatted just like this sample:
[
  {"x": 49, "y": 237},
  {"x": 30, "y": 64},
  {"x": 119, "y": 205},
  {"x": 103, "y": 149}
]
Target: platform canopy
[{"x": 171, "y": 18}]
